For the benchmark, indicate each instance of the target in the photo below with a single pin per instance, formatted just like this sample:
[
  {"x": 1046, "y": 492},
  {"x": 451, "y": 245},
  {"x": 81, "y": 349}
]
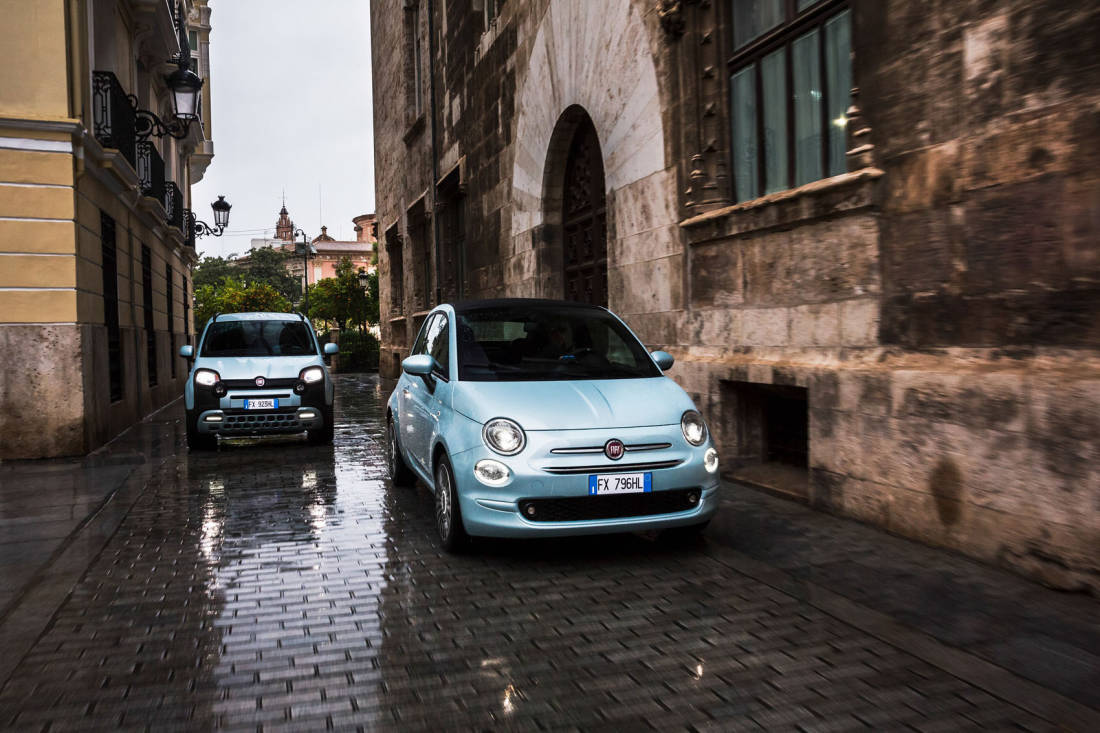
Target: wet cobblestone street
[{"x": 276, "y": 584}]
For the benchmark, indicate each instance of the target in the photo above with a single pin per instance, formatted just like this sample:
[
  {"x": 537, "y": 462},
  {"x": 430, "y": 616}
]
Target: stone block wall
[{"x": 933, "y": 308}]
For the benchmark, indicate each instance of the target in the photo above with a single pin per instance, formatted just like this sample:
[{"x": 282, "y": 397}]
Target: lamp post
[
  {"x": 304, "y": 249},
  {"x": 221, "y": 209}
]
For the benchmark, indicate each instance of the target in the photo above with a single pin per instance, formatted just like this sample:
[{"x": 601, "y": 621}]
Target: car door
[
  {"x": 410, "y": 402},
  {"x": 423, "y": 409}
]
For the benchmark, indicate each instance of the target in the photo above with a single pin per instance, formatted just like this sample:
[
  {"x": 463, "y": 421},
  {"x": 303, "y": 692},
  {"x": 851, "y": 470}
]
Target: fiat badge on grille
[
  {"x": 614, "y": 449},
  {"x": 260, "y": 381}
]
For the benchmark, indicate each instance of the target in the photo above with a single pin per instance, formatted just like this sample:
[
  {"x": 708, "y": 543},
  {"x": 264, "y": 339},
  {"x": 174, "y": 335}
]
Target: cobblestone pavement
[{"x": 277, "y": 585}]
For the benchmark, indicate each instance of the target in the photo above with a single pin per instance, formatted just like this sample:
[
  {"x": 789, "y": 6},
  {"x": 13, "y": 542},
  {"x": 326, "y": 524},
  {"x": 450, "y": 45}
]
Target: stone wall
[{"x": 923, "y": 326}]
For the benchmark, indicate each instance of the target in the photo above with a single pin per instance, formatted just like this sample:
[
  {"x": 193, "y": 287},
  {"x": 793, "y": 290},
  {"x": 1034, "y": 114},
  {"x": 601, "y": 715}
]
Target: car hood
[
  {"x": 575, "y": 405},
  {"x": 248, "y": 367}
]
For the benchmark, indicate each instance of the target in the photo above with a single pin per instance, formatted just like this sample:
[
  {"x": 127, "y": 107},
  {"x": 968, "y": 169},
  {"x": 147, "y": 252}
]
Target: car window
[
  {"x": 536, "y": 342},
  {"x": 438, "y": 344},
  {"x": 258, "y": 338},
  {"x": 421, "y": 339}
]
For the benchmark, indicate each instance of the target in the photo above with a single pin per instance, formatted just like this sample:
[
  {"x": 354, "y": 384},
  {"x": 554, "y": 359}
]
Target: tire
[
  {"x": 323, "y": 435},
  {"x": 448, "y": 515},
  {"x": 197, "y": 441},
  {"x": 400, "y": 473}
]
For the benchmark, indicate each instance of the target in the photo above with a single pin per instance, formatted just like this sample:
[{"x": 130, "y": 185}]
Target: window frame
[{"x": 796, "y": 24}]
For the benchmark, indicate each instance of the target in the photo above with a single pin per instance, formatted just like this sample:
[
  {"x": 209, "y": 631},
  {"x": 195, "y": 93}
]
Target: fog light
[
  {"x": 693, "y": 498},
  {"x": 213, "y": 418},
  {"x": 710, "y": 460},
  {"x": 529, "y": 510},
  {"x": 492, "y": 473},
  {"x": 308, "y": 414}
]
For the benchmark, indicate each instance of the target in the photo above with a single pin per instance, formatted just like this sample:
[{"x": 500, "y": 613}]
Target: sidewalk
[
  {"x": 48, "y": 505},
  {"x": 1046, "y": 636}
]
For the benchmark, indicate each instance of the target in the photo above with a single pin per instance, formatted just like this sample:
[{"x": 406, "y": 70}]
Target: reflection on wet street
[{"x": 273, "y": 583}]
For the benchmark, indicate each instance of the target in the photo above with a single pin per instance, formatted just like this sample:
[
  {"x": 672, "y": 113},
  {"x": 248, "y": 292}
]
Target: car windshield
[
  {"x": 258, "y": 338},
  {"x": 547, "y": 343}
]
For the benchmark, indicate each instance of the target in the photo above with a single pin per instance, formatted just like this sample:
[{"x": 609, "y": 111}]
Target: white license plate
[
  {"x": 619, "y": 483},
  {"x": 267, "y": 404}
]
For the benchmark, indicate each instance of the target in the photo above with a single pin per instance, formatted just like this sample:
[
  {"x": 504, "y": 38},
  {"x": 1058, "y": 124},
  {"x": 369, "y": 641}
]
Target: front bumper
[
  {"x": 226, "y": 414},
  {"x": 536, "y": 480},
  {"x": 259, "y": 422}
]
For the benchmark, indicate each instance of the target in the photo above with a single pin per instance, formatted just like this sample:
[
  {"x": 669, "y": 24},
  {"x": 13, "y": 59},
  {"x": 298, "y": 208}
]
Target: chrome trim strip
[
  {"x": 612, "y": 468},
  {"x": 599, "y": 449},
  {"x": 647, "y": 446}
]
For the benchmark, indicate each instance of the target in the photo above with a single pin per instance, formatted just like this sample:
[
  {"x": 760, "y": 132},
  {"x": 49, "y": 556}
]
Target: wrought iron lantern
[
  {"x": 221, "y": 209},
  {"x": 185, "y": 86},
  {"x": 364, "y": 278}
]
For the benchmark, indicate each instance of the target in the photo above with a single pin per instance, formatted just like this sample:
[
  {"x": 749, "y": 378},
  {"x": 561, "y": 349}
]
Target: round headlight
[
  {"x": 695, "y": 430},
  {"x": 492, "y": 473},
  {"x": 710, "y": 460},
  {"x": 503, "y": 436},
  {"x": 313, "y": 374},
  {"x": 206, "y": 377}
]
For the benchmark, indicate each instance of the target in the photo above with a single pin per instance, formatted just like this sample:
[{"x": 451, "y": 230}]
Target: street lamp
[
  {"x": 364, "y": 279},
  {"x": 304, "y": 249},
  {"x": 185, "y": 86},
  {"x": 221, "y": 209}
]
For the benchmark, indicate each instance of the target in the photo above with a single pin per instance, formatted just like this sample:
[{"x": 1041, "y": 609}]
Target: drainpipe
[{"x": 435, "y": 143}]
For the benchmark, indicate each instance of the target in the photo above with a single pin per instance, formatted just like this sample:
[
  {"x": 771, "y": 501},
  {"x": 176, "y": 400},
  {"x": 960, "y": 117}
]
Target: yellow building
[{"x": 96, "y": 246}]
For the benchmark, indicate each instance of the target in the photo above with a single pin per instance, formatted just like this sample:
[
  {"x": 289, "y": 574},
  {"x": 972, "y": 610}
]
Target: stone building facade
[
  {"x": 96, "y": 248},
  {"x": 869, "y": 231}
]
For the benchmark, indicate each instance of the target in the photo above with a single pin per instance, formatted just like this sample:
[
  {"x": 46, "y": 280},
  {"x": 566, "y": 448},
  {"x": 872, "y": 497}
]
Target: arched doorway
[{"x": 584, "y": 218}]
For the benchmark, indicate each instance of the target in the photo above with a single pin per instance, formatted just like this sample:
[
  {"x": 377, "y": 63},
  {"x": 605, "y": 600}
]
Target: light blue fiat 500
[{"x": 547, "y": 418}]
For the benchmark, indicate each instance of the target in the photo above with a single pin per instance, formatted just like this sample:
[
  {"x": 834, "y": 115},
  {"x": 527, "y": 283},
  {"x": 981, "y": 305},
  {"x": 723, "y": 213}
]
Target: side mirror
[
  {"x": 418, "y": 366},
  {"x": 331, "y": 349},
  {"x": 663, "y": 359},
  {"x": 187, "y": 351}
]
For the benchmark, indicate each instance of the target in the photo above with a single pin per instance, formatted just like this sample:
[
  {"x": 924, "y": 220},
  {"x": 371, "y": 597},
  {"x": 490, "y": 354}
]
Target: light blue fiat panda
[
  {"x": 547, "y": 418},
  {"x": 258, "y": 374}
]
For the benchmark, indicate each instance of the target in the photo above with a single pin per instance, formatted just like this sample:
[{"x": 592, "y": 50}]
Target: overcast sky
[{"x": 291, "y": 85}]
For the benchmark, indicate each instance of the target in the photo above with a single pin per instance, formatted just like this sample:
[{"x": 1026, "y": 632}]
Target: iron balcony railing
[
  {"x": 189, "y": 228},
  {"x": 150, "y": 170},
  {"x": 113, "y": 117},
  {"x": 173, "y": 204}
]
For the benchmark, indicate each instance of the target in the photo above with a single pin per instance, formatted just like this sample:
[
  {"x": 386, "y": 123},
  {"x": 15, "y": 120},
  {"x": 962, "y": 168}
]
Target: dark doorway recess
[
  {"x": 584, "y": 219},
  {"x": 766, "y": 430}
]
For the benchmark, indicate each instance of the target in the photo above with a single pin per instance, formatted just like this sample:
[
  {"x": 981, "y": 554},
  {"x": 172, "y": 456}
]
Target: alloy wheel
[{"x": 443, "y": 501}]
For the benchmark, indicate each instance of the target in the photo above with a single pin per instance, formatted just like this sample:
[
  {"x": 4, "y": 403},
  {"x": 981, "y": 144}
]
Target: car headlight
[
  {"x": 695, "y": 430},
  {"x": 492, "y": 473},
  {"x": 710, "y": 460},
  {"x": 206, "y": 377},
  {"x": 503, "y": 436},
  {"x": 312, "y": 375}
]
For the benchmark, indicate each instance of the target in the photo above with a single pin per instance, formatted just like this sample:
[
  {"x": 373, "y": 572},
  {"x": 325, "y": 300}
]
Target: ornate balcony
[
  {"x": 113, "y": 118},
  {"x": 189, "y": 228},
  {"x": 150, "y": 170},
  {"x": 173, "y": 204}
]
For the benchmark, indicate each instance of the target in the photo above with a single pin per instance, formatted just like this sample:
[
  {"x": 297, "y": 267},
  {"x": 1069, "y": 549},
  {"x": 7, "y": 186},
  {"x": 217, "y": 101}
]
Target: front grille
[
  {"x": 581, "y": 508},
  {"x": 612, "y": 468},
  {"x": 246, "y": 422}
]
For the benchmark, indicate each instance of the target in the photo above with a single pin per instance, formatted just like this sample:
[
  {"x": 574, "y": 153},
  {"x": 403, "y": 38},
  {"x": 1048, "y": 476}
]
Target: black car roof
[{"x": 466, "y": 306}]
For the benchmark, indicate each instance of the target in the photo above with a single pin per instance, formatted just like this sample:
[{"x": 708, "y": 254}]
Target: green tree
[
  {"x": 235, "y": 296},
  {"x": 211, "y": 271},
  {"x": 268, "y": 265},
  {"x": 341, "y": 300}
]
